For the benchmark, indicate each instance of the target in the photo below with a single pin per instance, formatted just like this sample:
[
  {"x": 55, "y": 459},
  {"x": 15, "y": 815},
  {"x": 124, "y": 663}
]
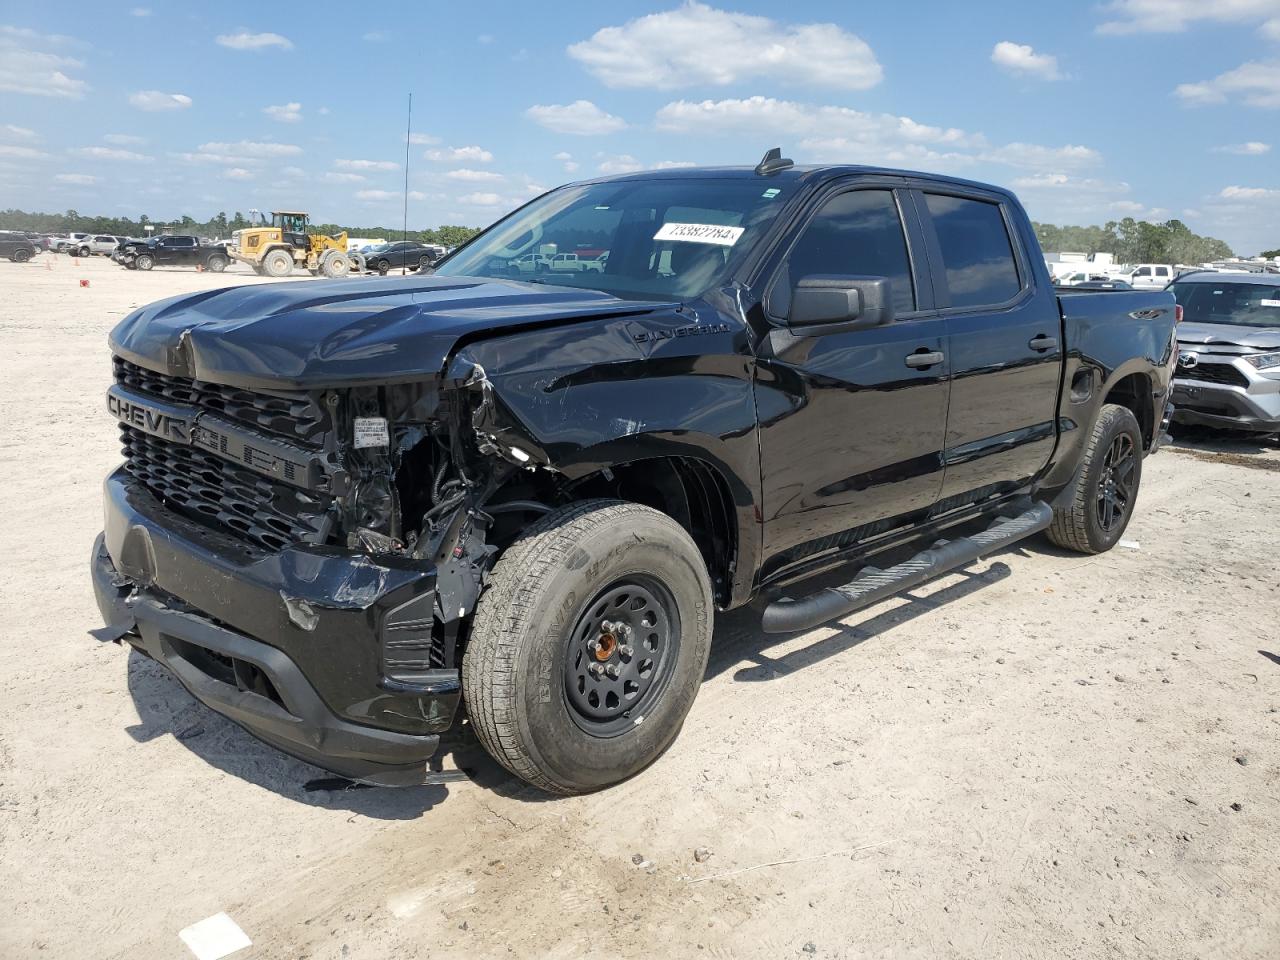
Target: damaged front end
[
  {"x": 306, "y": 562},
  {"x": 425, "y": 462}
]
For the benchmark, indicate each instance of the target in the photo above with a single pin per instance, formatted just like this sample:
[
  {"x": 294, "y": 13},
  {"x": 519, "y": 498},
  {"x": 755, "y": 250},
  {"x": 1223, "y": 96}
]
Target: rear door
[
  {"x": 1005, "y": 349},
  {"x": 851, "y": 421}
]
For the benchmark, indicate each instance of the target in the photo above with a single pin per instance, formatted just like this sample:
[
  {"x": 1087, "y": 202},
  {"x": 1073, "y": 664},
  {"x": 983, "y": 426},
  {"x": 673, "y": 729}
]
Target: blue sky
[{"x": 1146, "y": 108}]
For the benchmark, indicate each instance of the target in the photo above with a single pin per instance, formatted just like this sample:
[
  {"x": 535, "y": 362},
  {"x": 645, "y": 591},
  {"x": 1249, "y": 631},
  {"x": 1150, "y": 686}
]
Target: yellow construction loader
[{"x": 275, "y": 249}]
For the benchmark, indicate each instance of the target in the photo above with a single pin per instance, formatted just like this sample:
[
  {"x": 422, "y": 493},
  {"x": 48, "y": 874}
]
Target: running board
[{"x": 871, "y": 585}]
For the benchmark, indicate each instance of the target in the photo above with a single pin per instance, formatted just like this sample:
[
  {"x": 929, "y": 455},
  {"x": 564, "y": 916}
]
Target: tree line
[
  {"x": 1135, "y": 241},
  {"x": 218, "y": 227}
]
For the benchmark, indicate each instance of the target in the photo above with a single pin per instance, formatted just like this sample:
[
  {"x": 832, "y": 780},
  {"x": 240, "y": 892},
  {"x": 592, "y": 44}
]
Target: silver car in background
[{"x": 1228, "y": 372}]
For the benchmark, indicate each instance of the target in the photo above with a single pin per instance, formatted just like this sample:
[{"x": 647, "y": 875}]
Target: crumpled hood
[
  {"x": 1263, "y": 338},
  {"x": 326, "y": 333}
]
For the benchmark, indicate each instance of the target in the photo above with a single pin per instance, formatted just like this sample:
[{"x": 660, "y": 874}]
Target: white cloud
[
  {"x": 251, "y": 149},
  {"x": 1248, "y": 193},
  {"x": 1271, "y": 29},
  {"x": 21, "y": 153},
  {"x": 1251, "y": 149},
  {"x": 474, "y": 176},
  {"x": 27, "y": 67},
  {"x": 140, "y": 12},
  {"x": 423, "y": 138},
  {"x": 366, "y": 165},
  {"x": 485, "y": 38},
  {"x": 1074, "y": 185},
  {"x": 374, "y": 194},
  {"x": 1256, "y": 83},
  {"x": 460, "y": 155},
  {"x": 285, "y": 112},
  {"x": 672, "y": 165},
  {"x": 155, "y": 101},
  {"x": 110, "y": 153},
  {"x": 581, "y": 118},
  {"x": 696, "y": 45},
  {"x": 1174, "y": 16},
  {"x": 238, "y": 173},
  {"x": 11, "y": 131},
  {"x": 622, "y": 163},
  {"x": 566, "y": 159},
  {"x": 481, "y": 199},
  {"x": 123, "y": 139},
  {"x": 253, "y": 41},
  {"x": 844, "y": 135},
  {"x": 332, "y": 177},
  {"x": 417, "y": 195},
  {"x": 323, "y": 111},
  {"x": 1021, "y": 59},
  {"x": 80, "y": 179},
  {"x": 375, "y": 36},
  {"x": 294, "y": 172}
]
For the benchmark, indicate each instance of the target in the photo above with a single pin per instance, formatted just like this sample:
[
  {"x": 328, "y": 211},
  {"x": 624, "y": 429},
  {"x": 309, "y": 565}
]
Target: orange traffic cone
[{"x": 84, "y": 283}]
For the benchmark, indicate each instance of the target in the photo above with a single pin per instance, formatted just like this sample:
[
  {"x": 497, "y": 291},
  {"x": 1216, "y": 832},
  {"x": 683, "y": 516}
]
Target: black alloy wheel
[{"x": 1115, "y": 485}]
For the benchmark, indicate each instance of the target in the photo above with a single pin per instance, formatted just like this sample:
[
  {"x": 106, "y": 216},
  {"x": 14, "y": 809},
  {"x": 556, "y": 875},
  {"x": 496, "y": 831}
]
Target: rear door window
[{"x": 977, "y": 254}]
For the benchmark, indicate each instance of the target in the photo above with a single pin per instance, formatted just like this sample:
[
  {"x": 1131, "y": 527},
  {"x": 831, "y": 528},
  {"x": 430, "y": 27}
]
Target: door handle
[
  {"x": 926, "y": 359},
  {"x": 1042, "y": 343}
]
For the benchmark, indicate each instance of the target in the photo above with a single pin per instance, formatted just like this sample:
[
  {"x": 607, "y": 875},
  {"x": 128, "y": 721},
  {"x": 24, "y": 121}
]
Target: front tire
[
  {"x": 216, "y": 264},
  {"x": 277, "y": 264},
  {"x": 144, "y": 262},
  {"x": 1106, "y": 490},
  {"x": 383, "y": 267},
  {"x": 589, "y": 645}
]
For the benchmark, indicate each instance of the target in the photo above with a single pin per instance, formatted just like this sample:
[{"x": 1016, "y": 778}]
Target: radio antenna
[{"x": 408, "y": 134}]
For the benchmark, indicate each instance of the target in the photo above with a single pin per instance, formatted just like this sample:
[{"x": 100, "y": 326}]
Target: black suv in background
[{"x": 16, "y": 246}]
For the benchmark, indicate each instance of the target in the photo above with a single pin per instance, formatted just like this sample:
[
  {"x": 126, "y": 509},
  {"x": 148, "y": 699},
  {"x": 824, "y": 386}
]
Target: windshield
[
  {"x": 1238, "y": 302},
  {"x": 635, "y": 239}
]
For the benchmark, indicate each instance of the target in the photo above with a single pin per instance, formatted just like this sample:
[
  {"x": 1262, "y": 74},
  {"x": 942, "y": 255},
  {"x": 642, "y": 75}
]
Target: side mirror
[{"x": 851, "y": 303}]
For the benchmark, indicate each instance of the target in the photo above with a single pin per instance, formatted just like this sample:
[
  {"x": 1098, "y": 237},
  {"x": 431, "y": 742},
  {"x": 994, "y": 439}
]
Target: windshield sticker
[
  {"x": 699, "y": 233},
  {"x": 1270, "y": 303},
  {"x": 771, "y": 193}
]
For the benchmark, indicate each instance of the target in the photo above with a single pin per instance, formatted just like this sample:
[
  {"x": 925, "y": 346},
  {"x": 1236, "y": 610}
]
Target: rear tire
[
  {"x": 85, "y": 252},
  {"x": 144, "y": 262},
  {"x": 383, "y": 267},
  {"x": 423, "y": 263},
  {"x": 21, "y": 256},
  {"x": 528, "y": 677},
  {"x": 1106, "y": 489}
]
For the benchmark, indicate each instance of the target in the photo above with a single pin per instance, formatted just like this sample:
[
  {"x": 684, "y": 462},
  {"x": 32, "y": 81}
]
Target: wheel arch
[{"x": 1133, "y": 390}]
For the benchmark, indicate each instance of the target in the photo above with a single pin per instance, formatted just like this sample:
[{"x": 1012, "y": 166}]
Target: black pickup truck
[
  {"x": 172, "y": 252},
  {"x": 350, "y": 516}
]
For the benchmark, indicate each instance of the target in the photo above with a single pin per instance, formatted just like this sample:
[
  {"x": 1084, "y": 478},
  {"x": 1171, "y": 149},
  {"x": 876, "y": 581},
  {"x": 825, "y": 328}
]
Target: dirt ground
[{"x": 1045, "y": 755}]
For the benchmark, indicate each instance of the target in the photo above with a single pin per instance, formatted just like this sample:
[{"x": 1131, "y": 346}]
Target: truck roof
[{"x": 798, "y": 172}]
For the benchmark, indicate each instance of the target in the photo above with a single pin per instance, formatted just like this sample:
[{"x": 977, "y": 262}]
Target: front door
[
  {"x": 851, "y": 423},
  {"x": 1005, "y": 347}
]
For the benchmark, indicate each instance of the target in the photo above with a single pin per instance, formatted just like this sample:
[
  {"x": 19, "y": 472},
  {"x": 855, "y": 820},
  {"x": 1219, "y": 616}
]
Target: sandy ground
[{"x": 1043, "y": 756}]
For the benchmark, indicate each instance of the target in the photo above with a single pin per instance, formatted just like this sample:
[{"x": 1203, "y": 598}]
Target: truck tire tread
[
  {"x": 1072, "y": 520},
  {"x": 490, "y": 682}
]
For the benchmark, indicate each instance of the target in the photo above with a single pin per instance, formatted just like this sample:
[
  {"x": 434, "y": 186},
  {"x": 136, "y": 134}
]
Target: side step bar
[{"x": 871, "y": 585}]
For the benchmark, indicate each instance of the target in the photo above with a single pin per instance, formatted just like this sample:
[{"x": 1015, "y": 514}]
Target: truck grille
[
  {"x": 294, "y": 416},
  {"x": 1223, "y": 373},
  {"x": 216, "y": 492},
  {"x": 221, "y": 493}
]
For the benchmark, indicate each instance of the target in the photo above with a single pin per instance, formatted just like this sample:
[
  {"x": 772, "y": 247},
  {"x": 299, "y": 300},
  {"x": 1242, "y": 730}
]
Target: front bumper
[
  {"x": 1226, "y": 406},
  {"x": 288, "y": 645}
]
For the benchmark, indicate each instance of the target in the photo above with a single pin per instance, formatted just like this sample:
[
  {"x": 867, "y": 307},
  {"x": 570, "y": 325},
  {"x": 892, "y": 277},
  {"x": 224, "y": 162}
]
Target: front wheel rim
[
  {"x": 1116, "y": 485},
  {"x": 620, "y": 655}
]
